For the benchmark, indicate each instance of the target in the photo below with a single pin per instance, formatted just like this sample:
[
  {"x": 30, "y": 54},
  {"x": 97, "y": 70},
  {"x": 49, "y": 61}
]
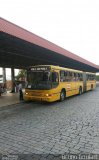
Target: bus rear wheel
[{"x": 62, "y": 95}]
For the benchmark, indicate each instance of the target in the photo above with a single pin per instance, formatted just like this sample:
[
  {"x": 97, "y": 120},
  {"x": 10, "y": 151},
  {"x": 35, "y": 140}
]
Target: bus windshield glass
[{"x": 39, "y": 80}]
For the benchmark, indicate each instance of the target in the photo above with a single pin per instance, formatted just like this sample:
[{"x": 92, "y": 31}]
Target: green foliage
[
  {"x": 97, "y": 77},
  {"x": 21, "y": 75}
]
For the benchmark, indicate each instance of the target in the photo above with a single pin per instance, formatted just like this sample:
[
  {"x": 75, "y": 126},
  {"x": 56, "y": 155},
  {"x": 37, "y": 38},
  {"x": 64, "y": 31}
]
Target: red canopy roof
[{"x": 14, "y": 30}]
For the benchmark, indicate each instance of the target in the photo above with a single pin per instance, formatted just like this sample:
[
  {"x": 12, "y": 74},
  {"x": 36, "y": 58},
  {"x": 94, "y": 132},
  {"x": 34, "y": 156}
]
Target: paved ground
[
  {"x": 71, "y": 126},
  {"x": 9, "y": 98}
]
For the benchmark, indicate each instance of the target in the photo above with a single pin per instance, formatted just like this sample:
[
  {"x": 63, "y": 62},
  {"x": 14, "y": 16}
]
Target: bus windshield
[{"x": 41, "y": 80}]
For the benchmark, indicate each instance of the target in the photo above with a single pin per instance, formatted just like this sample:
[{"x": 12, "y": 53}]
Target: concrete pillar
[
  {"x": 4, "y": 75},
  {"x": 13, "y": 80},
  {"x": 26, "y": 79}
]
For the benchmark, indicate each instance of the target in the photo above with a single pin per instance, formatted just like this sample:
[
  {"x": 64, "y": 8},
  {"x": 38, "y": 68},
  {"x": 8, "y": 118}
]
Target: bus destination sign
[{"x": 45, "y": 68}]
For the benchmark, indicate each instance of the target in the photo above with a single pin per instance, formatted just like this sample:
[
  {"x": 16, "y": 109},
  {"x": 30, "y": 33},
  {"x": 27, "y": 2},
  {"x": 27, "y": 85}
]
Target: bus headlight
[
  {"x": 47, "y": 95},
  {"x": 26, "y": 93}
]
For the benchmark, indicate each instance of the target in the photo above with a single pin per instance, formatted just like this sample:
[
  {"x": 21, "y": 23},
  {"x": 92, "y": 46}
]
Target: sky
[{"x": 71, "y": 24}]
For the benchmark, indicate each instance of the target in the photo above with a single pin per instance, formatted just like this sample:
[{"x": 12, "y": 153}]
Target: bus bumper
[{"x": 36, "y": 98}]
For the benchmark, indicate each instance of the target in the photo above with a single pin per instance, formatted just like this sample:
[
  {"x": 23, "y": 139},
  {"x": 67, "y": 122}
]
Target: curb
[{"x": 10, "y": 106}]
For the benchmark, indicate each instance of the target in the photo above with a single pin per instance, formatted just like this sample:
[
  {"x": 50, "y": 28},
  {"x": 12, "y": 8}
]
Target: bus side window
[
  {"x": 74, "y": 76},
  {"x": 87, "y": 77},
  {"x": 93, "y": 77},
  {"x": 81, "y": 77},
  {"x": 77, "y": 78},
  {"x": 66, "y": 73},
  {"x": 90, "y": 77},
  {"x": 55, "y": 79},
  {"x": 62, "y": 76},
  {"x": 67, "y": 76},
  {"x": 70, "y": 76}
]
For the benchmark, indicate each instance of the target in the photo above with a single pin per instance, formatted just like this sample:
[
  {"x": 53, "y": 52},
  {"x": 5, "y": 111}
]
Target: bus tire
[
  {"x": 80, "y": 90},
  {"x": 62, "y": 95}
]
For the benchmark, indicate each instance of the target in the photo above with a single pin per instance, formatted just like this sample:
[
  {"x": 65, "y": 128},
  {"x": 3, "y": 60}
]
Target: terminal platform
[{"x": 7, "y": 99}]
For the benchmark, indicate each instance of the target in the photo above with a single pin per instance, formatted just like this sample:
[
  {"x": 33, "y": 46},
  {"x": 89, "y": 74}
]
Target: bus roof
[
  {"x": 66, "y": 69},
  {"x": 90, "y": 73},
  {"x": 58, "y": 68}
]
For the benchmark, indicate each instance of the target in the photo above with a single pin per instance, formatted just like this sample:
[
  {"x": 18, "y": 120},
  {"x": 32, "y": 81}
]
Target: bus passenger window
[
  {"x": 88, "y": 77},
  {"x": 62, "y": 76},
  {"x": 81, "y": 77},
  {"x": 71, "y": 76},
  {"x": 55, "y": 79},
  {"x": 67, "y": 76},
  {"x": 93, "y": 77},
  {"x": 76, "y": 76}
]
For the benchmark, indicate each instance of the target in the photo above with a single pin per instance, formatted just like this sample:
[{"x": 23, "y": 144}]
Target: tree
[
  {"x": 97, "y": 77},
  {"x": 21, "y": 75}
]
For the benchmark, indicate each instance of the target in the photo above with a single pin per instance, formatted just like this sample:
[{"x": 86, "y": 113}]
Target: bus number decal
[{"x": 68, "y": 86}]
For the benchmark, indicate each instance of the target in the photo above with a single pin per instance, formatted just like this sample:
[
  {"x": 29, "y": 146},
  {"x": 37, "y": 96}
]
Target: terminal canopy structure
[{"x": 20, "y": 48}]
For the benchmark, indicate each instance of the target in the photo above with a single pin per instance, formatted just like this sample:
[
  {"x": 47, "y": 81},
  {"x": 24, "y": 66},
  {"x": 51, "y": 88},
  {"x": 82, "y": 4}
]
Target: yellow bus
[
  {"x": 51, "y": 83},
  {"x": 90, "y": 83}
]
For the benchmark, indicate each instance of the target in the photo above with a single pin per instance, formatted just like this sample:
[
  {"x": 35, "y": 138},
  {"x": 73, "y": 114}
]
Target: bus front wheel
[{"x": 62, "y": 95}]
